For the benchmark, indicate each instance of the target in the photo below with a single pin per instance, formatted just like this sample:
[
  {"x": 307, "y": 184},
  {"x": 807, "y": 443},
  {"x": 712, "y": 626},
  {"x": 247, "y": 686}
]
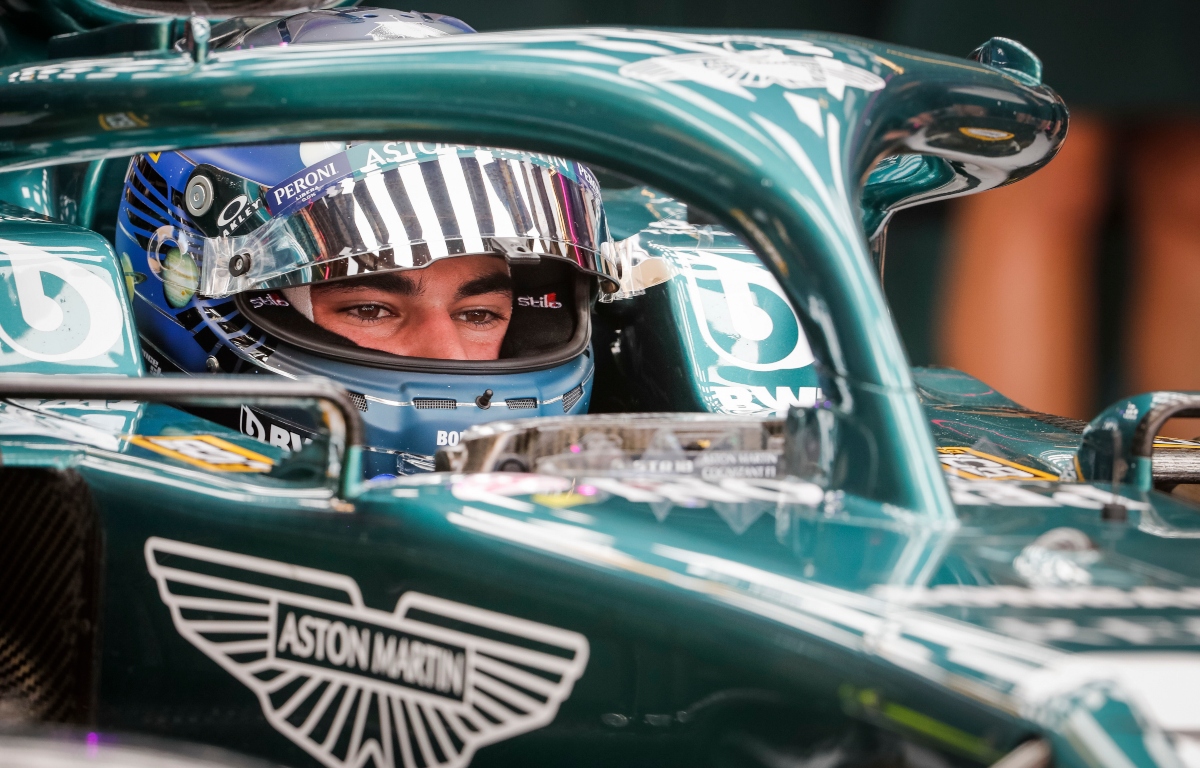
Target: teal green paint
[
  {"x": 810, "y": 598},
  {"x": 720, "y": 330},
  {"x": 154, "y": 34},
  {"x": 732, "y": 158},
  {"x": 794, "y": 589},
  {"x": 65, "y": 307},
  {"x": 77, "y": 15},
  {"x": 965, "y": 412},
  {"x": 89, "y": 188},
  {"x": 900, "y": 181},
  {"x": 32, "y": 189},
  {"x": 1012, "y": 57},
  {"x": 1110, "y": 447}
]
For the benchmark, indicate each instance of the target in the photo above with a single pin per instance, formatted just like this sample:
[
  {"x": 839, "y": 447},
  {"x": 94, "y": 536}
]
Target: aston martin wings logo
[{"x": 423, "y": 687}]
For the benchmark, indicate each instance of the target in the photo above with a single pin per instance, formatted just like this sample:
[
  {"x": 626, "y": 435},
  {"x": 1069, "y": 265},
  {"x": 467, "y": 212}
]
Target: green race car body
[{"x": 809, "y": 551}]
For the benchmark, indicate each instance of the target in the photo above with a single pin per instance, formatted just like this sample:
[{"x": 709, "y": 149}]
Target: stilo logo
[
  {"x": 549, "y": 301},
  {"x": 425, "y": 685}
]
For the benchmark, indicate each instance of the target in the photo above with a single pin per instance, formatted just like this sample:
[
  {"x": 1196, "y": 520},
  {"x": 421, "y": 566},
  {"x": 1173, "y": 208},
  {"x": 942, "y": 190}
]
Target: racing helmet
[{"x": 237, "y": 251}]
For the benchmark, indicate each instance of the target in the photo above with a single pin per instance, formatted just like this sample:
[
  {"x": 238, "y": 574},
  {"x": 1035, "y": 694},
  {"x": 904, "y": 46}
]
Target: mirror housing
[
  {"x": 342, "y": 418},
  {"x": 1118, "y": 446}
]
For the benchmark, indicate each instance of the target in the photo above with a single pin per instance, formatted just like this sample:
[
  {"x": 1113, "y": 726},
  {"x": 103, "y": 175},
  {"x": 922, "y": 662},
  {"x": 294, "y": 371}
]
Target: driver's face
[{"x": 454, "y": 309}]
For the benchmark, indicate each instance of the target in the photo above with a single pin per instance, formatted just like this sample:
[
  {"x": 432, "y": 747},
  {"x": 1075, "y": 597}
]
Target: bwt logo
[
  {"x": 549, "y": 301},
  {"x": 445, "y": 437}
]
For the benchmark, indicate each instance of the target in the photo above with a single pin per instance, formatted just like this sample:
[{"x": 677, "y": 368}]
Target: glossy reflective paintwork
[
  {"x": 722, "y": 144},
  {"x": 720, "y": 618},
  {"x": 66, "y": 308},
  {"x": 719, "y": 326},
  {"x": 967, "y": 639}
]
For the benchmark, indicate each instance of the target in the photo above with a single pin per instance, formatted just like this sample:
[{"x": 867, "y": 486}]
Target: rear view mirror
[
  {"x": 169, "y": 423},
  {"x": 830, "y": 448}
]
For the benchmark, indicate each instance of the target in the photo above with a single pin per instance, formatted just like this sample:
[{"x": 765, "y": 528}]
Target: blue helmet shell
[{"x": 408, "y": 414}]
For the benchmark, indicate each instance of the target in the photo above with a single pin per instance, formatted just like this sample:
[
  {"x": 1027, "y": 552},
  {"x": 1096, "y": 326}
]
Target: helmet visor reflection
[{"x": 449, "y": 202}]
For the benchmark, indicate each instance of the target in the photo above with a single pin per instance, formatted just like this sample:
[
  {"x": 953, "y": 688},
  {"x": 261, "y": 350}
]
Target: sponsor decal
[
  {"x": 986, "y": 493},
  {"x": 384, "y": 653},
  {"x": 716, "y": 465},
  {"x": 268, "y": 300},
  {"x": 448, "y": 437},
  {"x": 741, "y": 310},
  {"x": 367, "y": 157},
  {"x": 427, "y": 684},
  {"x": 206, "y": 451},
  {"x": 81, "y": 320},
  {"x": 304, "y": 186},
  {"x": 971, "y": 464},
  {"x": 712, "y": 465},
  {"x": 758, "y": 399},
  {"x": 153, "y": 367},
  {"x": 795, "y": 66},
  {"x": 547, "y": 301},
  {"x": 739, "y": 500},
  {"x": 265, "y": 428},
  {"x": 235, "y": 213},
  {"x": 121, "y": 121}
]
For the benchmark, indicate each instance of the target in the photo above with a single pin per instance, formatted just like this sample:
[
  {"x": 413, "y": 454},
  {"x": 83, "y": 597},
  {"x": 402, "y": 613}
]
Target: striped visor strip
[{"x": 457, "y": 201}]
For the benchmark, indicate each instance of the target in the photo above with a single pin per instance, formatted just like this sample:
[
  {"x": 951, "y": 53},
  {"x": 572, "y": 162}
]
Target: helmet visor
[{"x": 380, "y": 207}]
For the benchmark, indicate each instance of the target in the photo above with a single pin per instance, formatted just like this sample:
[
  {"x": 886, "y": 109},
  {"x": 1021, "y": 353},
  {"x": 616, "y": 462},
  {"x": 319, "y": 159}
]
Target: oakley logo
[
  {"x": 427, "y": 684},
  {"x": 236, "y": 212},
  {"x": 548, "y": 301}
]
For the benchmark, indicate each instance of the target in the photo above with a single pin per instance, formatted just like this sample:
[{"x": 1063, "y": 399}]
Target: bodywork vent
[
  {"x": 359, "y": 400},
  {"x": 443, "y": 403},
  {"x": 572, "y": 397},
  {"x": 518, "y": 403}
]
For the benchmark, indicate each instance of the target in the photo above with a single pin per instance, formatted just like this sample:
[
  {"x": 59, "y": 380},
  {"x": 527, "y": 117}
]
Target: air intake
[
  {"x": 359, "y": 400},
  {"x": 519, "y": 403},
  {"x": 435, "y": 403},
  {"x": 572, "y": 397}
]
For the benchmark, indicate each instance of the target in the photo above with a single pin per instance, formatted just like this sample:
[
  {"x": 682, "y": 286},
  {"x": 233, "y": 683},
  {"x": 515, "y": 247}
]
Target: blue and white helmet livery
[{"x": 442, "y": 285}]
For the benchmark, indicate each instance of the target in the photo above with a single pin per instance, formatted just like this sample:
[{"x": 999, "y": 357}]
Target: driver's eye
[
  {"x": 370, "y": 311},
  {"x": 477, "y": 316}
]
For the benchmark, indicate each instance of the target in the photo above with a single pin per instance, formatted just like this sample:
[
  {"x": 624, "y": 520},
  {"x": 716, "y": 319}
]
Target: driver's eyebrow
[
  {"x": 390, "y": 282},
  {"x": 497, "y": 282}
]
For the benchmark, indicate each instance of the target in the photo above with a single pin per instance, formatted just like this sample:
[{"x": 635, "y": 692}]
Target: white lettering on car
[
  {"x": 100, "y": 323},
  {"x": 429, "y": 655},
  {"x": 747, "y": 400}
]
